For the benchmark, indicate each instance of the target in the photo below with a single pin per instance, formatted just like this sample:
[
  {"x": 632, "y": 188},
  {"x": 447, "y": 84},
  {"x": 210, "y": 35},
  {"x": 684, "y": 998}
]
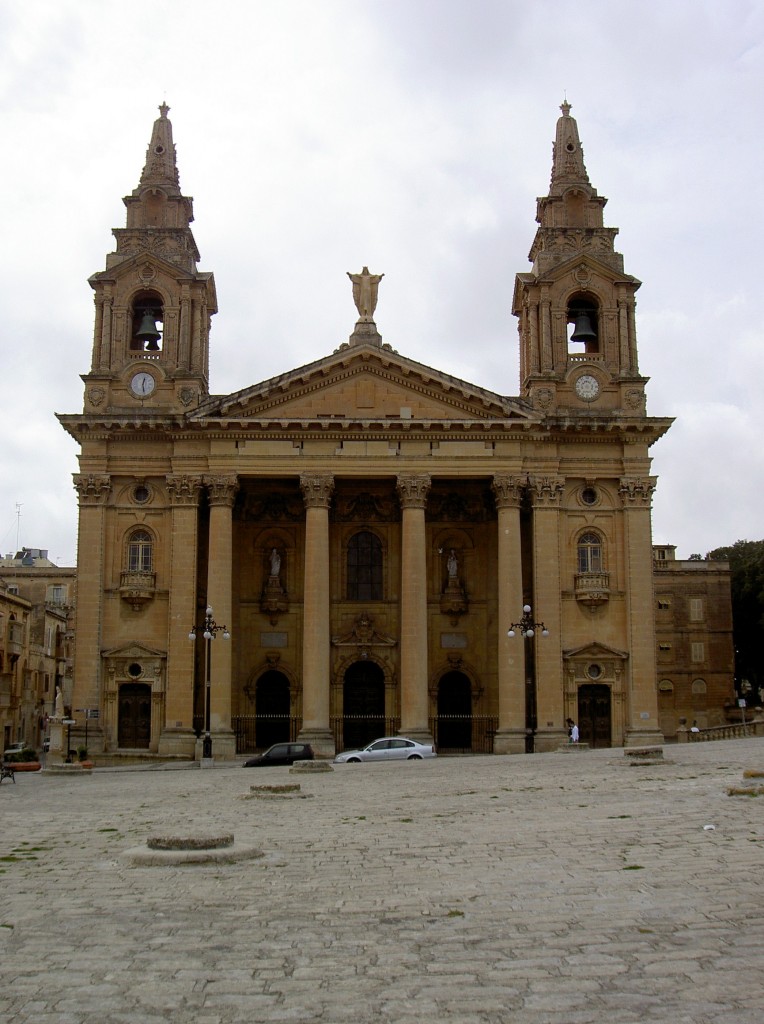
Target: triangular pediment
[
  {"x": 134, "y": 650},
  {"x": 580, "y": 267},
  {"x": 147, "y": 265},
  {"x": 595, "y": 650},
  {"x": 365, "y": 383}
]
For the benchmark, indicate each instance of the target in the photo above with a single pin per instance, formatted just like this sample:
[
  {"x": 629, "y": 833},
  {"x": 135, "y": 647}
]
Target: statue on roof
[{"x": 365, "y": 287}]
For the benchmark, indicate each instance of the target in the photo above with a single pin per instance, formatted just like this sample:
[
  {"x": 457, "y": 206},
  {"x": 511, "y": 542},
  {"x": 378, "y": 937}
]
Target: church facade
[{"x": 342, "y": 551}]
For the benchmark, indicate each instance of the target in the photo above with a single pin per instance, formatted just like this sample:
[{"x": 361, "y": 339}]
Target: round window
[
  {"x": 141, "y": 494},
  {"x": 135, "y": 670},
  {"x": 589, "y": 496},
  {"x": 594, "y": 671}
]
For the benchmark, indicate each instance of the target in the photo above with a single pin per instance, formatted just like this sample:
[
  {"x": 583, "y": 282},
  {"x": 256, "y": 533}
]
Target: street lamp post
[
  {"x": 528, "y": 629},
  {"x": 210, "y": 630}
]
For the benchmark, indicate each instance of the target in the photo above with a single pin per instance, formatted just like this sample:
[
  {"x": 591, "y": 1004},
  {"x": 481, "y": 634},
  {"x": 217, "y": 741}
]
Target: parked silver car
[{"x": 389, "y": 748}]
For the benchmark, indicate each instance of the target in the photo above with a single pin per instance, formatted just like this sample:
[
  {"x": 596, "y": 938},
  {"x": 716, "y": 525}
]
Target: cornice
[{"x": 562, "y": 429}]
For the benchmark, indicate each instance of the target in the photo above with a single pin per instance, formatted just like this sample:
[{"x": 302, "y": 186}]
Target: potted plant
[
  {"x": 82, "y": 756},
  {"x": 22, "y": 760}
]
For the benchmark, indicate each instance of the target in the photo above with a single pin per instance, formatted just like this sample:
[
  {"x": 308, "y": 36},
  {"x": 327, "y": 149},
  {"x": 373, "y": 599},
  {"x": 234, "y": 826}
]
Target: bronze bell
[
  {"x": 583, "y": 331},
  {"x": 148, "y": 331}
]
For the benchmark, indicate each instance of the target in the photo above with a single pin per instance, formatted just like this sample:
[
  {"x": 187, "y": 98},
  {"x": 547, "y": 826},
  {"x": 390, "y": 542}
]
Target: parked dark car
[{"x": 281, "y": 753}]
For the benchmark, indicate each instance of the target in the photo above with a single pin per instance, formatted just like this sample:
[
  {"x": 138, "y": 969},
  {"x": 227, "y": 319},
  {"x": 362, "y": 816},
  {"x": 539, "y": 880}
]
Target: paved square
[{"x": 545, "y": 889}]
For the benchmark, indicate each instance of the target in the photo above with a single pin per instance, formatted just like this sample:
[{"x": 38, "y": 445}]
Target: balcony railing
[
  {"x": 137, "y": 587},
  {"x": 592, "y": 588}
]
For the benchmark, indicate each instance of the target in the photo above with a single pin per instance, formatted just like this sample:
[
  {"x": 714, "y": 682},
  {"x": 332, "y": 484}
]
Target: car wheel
[
  {"x": 353, "y": 760},
  {"x": 414, "y": 757}
]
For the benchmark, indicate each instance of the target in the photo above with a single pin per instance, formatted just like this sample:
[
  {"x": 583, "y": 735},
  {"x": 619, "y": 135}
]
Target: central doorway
[
  {"x": 363, "y": 704},
  {"x": 594, "y": 717},
  {"x": 454, "y": 723},
  {"x": 134, "y": 727},
  {"x": 271, "y": 709}
]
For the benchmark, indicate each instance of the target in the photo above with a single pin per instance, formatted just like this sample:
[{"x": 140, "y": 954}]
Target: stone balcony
[
  {"x": 137, "y": 588},
  {"x": 592, "y": 588}
]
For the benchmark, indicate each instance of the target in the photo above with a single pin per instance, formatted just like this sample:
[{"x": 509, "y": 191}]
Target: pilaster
[
  {"x": 93, "y": 490},
  {"x": 177, "y": 737},
  {"x": 413, "y": 491},
  {"x": 221, "y": 492},
  {"x": 317, "y": 494},
  {"x": 546, "y": 493},
  {"x": 642, "y": 725},
  {"x": 510, "y": 737}
]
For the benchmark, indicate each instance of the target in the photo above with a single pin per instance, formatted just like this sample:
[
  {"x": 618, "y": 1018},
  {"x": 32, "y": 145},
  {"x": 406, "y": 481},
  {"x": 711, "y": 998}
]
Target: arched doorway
[
  {"x": 271, "y": 709},
  {"x": 363, "y": 704},
  {"x": 454, "y": 725},
  {"x": 594, "y": 720},
  {"x": 134, "y": 726}
]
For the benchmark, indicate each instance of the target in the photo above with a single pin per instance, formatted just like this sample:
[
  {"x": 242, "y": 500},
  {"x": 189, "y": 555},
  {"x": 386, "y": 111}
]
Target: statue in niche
[
  {"x": 365, "y": 288},
  {"x": 275, "y": 560},
  {"x": 59, "y": 703},
  {"x": 453, "y": 600},
  {"x": 274, "y": 600}
]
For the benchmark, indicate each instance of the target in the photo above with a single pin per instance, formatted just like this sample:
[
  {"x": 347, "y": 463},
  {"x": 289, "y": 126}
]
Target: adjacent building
[
  {"x": 695, "y": 649},
  {"x": 36, "y": 636},
  {"x": 366, "y": 527}
]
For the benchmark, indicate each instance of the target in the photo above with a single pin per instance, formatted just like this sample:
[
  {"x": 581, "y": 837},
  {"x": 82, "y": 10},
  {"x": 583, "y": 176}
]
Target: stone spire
[
  {"x": 567, "y": 155},
  {"x": 161, "y": 168},
  {"x": 157, "y": 207}
]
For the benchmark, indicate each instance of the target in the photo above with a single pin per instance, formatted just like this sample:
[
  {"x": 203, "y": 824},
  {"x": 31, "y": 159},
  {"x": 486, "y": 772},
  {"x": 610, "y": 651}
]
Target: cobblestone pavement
[{"x": 544, "y": 889}]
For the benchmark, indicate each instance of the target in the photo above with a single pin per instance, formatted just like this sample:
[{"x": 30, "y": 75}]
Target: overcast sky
[{"x": 412, "y": 136}]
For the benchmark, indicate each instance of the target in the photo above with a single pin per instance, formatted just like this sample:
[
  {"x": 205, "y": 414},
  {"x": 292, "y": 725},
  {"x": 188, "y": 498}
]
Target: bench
[{"x": 6, "y": 772}]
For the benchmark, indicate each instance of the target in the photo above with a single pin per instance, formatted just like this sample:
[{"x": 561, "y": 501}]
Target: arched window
[
  {"x": 139, "y": 552},
  {"x": 589, "y": 553},
  {"x": 364, "y": 565}
]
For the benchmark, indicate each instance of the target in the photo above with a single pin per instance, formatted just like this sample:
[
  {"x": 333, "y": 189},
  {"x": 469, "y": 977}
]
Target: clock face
[
  {"x": 142, "y": 384},
  {"x": 587, "y": 387}
]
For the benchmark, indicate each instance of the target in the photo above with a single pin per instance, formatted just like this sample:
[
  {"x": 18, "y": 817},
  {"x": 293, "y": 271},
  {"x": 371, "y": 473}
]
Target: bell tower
[
  {"x": 153, "y": 306},
  {"x": 578, "y": 345}
]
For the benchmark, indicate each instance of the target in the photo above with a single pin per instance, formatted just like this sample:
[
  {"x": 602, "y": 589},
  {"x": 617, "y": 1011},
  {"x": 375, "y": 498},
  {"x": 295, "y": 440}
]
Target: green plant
[
  {"x": 82, "y": 752},
  {"x": 22, "y": 756}
]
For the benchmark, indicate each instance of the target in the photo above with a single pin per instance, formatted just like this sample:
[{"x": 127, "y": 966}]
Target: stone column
[
  {"x": 642, "y": 725},
  {"x": 412, "y": 491},
  {"x": 222, "y": 493},
  {"x": 93, "y": 490},
  {"x": 546, "y": 607},
  {"x": 177, "y": 736},
  {"x": 510, "y": 738},
  {"x": 317, "y": 495}
]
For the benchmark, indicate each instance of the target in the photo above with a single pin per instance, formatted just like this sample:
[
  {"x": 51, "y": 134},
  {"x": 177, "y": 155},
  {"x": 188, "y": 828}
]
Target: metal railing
[
  {"x": 456, "y": 734},
  {"x": 464, "y": 734}
]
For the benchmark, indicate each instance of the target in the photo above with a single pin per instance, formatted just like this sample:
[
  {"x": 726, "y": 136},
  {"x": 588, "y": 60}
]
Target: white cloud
[{"x": 411, "y": 136}]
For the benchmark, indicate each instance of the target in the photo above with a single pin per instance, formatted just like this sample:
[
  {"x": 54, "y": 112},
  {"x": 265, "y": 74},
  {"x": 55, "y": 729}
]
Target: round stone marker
[{"x": 199, "y": 849}]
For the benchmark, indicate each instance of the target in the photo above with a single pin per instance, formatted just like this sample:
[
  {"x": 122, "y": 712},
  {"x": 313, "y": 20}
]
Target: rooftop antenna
[{"x": 18, "y": 522}]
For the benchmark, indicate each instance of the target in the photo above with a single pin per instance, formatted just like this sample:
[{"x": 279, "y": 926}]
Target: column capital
[
  {"x": 413, "y": 490},
  {"x": 221, "y": 489},
  {"x": 508, "y": 490},
  {"x": 317, "y": 490},
  {"x": 92, "y": 488},
  {"x": 184, "y": 490},
  {"x": 637, "y": 492},
  {"x": 546, "y": 490}
]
